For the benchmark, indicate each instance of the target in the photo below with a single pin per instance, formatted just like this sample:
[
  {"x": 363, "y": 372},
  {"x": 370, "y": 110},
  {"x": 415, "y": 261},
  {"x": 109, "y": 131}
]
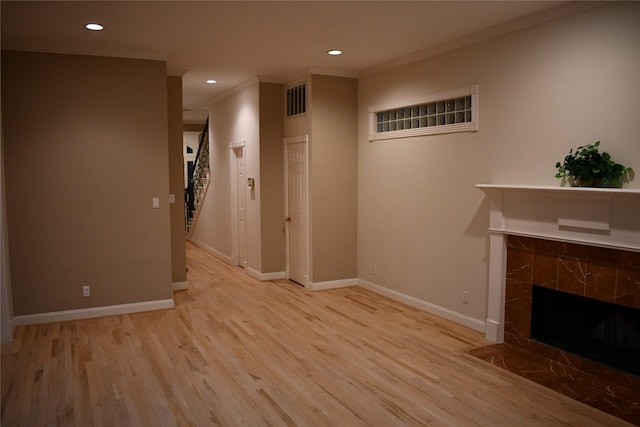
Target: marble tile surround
[
  {"x": 617, "y": 400},
  {"x": 604, "y": 274}
]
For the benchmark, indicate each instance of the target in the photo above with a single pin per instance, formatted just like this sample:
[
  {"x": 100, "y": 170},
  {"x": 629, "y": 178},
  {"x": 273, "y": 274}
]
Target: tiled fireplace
[
  {"x": 575, "y": 247},
  {"x": 603, "y": 274},
  {"x": 578, "y": 241}
]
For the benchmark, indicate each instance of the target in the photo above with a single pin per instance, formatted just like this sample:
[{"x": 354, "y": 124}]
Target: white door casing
[
  {"x": 238, "y": 204},
  {"x": 296, "y": 209}
]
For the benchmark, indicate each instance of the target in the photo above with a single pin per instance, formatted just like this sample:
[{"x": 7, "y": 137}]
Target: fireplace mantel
[{"x": 605, "y": 217}]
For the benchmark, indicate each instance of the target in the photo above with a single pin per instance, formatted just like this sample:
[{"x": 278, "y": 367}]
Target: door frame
[
  {"x": 306, "y": 247},
  {"x": 233, "y": 179}
]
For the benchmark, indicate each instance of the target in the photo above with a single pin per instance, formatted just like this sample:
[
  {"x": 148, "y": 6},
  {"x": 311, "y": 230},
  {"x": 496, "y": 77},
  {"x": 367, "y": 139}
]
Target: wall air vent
[{"x": 297, "y": 100}]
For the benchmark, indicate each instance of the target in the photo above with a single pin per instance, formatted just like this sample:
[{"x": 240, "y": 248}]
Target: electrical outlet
[
  {"x": 86, "y": 291},
  {"x": 465, "y": 297}
]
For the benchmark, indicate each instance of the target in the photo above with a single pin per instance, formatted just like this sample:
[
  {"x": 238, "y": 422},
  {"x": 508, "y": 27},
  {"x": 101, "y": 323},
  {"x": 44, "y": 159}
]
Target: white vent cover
[{"x": 297, "y": 100}]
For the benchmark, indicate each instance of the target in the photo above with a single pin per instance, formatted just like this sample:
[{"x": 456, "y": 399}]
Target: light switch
[
  {"x": 156, "y": 203},
  {"x": 172, "y": 198}
]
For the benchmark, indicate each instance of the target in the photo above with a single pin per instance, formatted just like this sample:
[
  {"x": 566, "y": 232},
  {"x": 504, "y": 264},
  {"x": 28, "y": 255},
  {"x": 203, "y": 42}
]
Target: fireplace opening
[{"x": 603, "y": 332}]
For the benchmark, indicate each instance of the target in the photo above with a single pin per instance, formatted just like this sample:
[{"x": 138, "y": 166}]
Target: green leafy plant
[{"x": 587, "y": 166}]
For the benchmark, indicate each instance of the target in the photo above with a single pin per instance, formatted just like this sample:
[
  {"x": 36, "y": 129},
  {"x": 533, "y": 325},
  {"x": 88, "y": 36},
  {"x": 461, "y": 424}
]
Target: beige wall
[
  {"x": 85, "y": 152},
  {"x": 251, "y": 114},
  {"x": 543, "y": 90},
  {"x": 333, "y": 178},
  {"x": 232, "y": 118},
  {"x": 6, "y": 299},
  {"x": 176, "y": 180},
  {"x": 331, "y": 124},
  {"x": 272, "y": 177}
]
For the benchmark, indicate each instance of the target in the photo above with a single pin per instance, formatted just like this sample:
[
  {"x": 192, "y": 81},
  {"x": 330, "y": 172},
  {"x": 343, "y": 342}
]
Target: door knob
[{"x": 288, "y": 219}]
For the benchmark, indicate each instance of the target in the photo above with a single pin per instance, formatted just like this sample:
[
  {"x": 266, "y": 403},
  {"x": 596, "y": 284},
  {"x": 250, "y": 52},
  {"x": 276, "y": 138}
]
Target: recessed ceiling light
[
  {"x": 211, "y": 81},
  {"x": 94, "y": 26},
  {"x": 335, "y": 52}
]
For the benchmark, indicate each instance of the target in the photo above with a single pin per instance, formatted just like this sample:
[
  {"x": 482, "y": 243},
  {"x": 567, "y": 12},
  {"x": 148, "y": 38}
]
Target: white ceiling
[{"x": 235, "y": 41}]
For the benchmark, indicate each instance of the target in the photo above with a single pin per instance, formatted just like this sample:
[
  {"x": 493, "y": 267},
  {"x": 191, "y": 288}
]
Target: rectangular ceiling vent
[{"x": 297, "y": 100}]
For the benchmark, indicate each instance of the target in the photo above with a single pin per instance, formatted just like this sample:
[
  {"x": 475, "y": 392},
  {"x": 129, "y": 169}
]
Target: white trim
[
  {"x": 446, "y": 313},
  {"x": 423, "y": 131},
  {"x": 494, "y": 330},
  {"x": 496, "y": 287},
  {"x": 237, "y": 144},
  {"x": 176, "y": 72},
  {"x": 295, "y": 139},
  {"x": 308, "y": 73},
  {"x": 244, "y": 85},
  {"x": 589, "y": 216},
  {"x": 270, "y": 79},
  {"x": 454, "y": 93},
  {"x": 332, "y": 284},
  {"x": 332, "y": 73},
  {"x": 89, "y": 52},
  {"x": 601, "y": 217},
  {"x": 88, "y": 313},
  {"x": 234, "y": 148},
  {"x": 472, "y": 126},
  {"x": 547, "y": 15},
  {"x": 307, "y": 203},
  {"x": 629, "y": 193},
  {"x": 180, "y": 286},
  {"x": 212, "y": 251},
  {"x": 276, "y": 275}
]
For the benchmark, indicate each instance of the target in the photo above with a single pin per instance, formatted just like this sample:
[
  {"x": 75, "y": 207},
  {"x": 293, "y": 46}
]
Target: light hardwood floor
[{"x": 236, "y": 352}]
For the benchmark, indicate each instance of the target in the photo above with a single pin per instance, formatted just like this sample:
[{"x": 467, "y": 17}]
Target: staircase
[{"x": 198, "y": 182}]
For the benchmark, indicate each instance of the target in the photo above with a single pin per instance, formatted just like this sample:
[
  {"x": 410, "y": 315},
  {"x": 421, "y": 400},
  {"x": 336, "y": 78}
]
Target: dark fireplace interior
[{"x": 603, "y": 332}]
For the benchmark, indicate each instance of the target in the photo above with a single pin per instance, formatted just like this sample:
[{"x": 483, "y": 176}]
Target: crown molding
[
  {"x": 303, "y": 75},
  {"x": 548, "y": 15},
  {"x": 175, "y": 72},
  {"x": 90, "y": 52},
  {"x": 244, "y": 85}
]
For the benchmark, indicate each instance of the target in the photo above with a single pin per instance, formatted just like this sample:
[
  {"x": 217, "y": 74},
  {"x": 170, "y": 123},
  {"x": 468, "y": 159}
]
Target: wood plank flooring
[{"x": 238, "y": 352}]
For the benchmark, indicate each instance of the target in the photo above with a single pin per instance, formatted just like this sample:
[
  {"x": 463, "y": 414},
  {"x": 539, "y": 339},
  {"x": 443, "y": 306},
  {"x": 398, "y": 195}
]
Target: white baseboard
[
  {"x": 266, "y": 276},
  {"x": 180, "y": 286},
  {"x": 446, "y": 313},
  {"x": 494, "y": 331},
  {"x": 332, "y": 284},
  {"x": 88, "y": 313},
  {"x": 212, "y": 251}
]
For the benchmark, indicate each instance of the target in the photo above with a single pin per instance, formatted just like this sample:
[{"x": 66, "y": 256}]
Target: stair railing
[{"x": 195, "y": 181}]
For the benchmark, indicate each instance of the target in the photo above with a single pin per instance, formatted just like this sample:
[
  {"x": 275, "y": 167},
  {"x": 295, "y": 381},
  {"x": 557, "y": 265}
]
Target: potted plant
[{"x": 588, "y": 167}]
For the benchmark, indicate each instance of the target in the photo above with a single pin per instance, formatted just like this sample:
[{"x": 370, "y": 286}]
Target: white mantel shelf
[
  {"x": 582, "y": 191},
  {"x": 614, "y": 192},
  {"x": 604, "y": 217}
]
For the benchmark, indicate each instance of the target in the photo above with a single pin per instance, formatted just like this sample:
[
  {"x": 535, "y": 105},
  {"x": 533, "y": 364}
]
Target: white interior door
[
  {"x": 241, "y": 186},
  {"x": 296, "y": 209}
]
